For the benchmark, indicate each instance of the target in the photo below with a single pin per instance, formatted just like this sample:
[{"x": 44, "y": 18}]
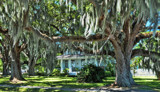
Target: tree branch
[
  {"x": 98, "y": 52},
  {"x": 126, "y": 28},
  {"x": 136, "y": 27},
  {"x": 149, "y": 28},
  {"x": 23, "y": 47},
  {"x": 25, "y": 17},
  {"x": 141, "y": 36},
  {"x": 145, "y": 53},
  {"x": 45, "y": 37},
  {"x": 55, "y": 27}
]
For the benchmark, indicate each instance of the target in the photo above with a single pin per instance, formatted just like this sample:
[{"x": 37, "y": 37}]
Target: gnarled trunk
[
  {"x": 16, "y": 73},
  {"x": 123, "y": 74}
]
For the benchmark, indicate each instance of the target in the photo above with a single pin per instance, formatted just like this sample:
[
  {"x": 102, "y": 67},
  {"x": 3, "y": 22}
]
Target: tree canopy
[{"x": 110, "y": 27}]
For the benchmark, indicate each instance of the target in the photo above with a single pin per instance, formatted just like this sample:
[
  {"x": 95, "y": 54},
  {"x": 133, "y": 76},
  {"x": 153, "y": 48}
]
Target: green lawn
[
  {"x": 70, "y": 82},
  {"x": 151, "y": 82}
]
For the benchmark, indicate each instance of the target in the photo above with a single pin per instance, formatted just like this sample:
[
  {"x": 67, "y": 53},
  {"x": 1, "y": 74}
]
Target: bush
[
  {"x": 66, "y": 71},
  {"x": 108, "y": 74},
  {"x": 56, "y": 72},
  {"x": 40, "y": 74},
  {"x": 91, "y": 73}
]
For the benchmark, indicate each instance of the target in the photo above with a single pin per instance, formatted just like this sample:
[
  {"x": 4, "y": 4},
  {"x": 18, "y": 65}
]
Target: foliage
[
  {"x": 58, "y": 18},
  {"x": 135, "y": 63},
  {"x": 108, "y": 74},
  {"x": 151, "y": 44},
  {"x": 40, "y": 70},
  {"x": 110, "y": 68},
  {"x": 57, "y": 66},
  {"x": 65, "y": 72},
  {"x": 56, "y": 72},
  {"x": 91, "y": 73}
]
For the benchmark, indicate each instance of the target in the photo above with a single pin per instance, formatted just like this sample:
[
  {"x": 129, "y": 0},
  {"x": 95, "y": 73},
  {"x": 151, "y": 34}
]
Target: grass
[
  {"x": 45, "y": 81},
  {"x": 151, "y": 82},
  {"x": 70, "y": 82}
]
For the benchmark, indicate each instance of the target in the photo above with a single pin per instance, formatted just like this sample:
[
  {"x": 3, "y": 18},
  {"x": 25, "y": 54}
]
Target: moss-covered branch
[
  {"x": 145, "y": 53},
  {"x": 141, "y": 36},
  {"x": 45, "y": 37}
]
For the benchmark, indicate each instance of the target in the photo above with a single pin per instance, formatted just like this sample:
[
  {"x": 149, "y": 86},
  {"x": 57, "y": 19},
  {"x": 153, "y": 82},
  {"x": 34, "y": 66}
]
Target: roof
[{"x": 75, "y": 56}]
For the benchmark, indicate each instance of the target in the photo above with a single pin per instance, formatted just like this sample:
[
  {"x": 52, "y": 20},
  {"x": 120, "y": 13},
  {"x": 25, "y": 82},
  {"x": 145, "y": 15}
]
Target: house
[{"x": 76, "y": 62}]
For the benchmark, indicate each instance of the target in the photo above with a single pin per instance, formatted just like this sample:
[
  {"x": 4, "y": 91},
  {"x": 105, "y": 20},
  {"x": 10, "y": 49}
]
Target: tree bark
[
  {"x": 123, "y": 74},
  {"x": 5, "y": 68},
  {"x": 158, "y": 74},
  {"x": 6, "y": 63},
  {"x": 123, "y": 53},
  {"x": 5, "y": 57},
  {"x": 50, "y": 62},
  {"x": 31, "y": 71},
  {"x": 16, "y": 74}
]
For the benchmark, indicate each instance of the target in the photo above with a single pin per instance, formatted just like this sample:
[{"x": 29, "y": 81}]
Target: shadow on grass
[
  {"x": 144, "y": 79},
  {"x": 69, "y": 82},
  {"x": 11, "y": 89},
  {"x": 152, "y": 83},
  {"x": 60, "y": 82}
]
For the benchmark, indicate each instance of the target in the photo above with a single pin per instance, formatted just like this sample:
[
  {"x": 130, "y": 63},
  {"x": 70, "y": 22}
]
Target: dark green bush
[
  {"x": 108, "y": 74},
  {"x": 91, "y": 73},
  {"x": 56, "y": 72},
  {"x": 40, "y": 74},
  {"x": 66, "y": 71},
  {"x": 111, "y": 67}
]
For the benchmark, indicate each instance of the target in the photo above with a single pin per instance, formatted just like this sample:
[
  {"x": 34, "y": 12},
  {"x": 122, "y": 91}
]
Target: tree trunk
[
  {"x": 50, "y": 62},
  {"x": 158, "y": 74},
  {"x": 5, "y": 59},
  {"x": 31, "y": 71},
  {"x": 6, "y": 64},
  {"x": 123, "y": 74},
  {"x": 16, "y": 74},
  {"x": 5, "y": 68}
]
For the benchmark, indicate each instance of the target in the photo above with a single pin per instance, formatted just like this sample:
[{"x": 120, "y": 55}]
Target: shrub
[
  {"x": 111, "y": 67},
  {"x": 40, "y": 74},
  {"x": 66, "y": 71},
  {"x": 58, "y": 66},
  {"x": 91, "y": 73},
  {"x": 108, "y": 74},
  {"x": 56, "y": 72}
]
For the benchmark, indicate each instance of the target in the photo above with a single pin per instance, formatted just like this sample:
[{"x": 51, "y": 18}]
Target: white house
[{"x": 74, "y": 62}]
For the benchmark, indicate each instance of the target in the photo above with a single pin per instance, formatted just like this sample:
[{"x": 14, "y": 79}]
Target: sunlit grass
[
  {"x": 151, "y": 82},
  {"x": 70, "y": 82}
]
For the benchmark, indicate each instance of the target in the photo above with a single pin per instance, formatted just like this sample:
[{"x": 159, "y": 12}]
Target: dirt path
[{"x": 101, "y": 89}]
